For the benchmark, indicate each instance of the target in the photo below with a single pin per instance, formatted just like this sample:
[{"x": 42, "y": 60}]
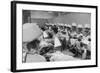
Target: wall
[
  {"x": 45, "y": 17},
  {"x": 40, "y": 17},
  {"x": 78, "y": 18},
  {"x": 41, "y": 14}
]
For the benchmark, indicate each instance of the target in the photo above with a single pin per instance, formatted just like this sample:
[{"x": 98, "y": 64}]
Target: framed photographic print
[{"x": 48, "y": 36}]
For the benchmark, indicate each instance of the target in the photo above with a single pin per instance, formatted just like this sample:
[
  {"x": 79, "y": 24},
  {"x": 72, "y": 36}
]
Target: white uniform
[
  {"x": 57, "y": 42},
  {"x": 85, "y": 40},
  {"x": 73, "y": 34},
  {"x": 45, "y": 35},
  {"x": 43, "y": 43},
  {"x": 73, "y": 41},
  {"x": 67, "y": 36},
  {"x": 79, "y": 35},
  {"x": 88, "y": 43}
]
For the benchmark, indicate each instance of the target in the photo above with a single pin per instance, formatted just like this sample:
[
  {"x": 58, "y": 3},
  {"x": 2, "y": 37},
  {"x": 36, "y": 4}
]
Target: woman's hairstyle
[
  {"x": 55, "y": 29},
  {"x": 33, "y": 44},
  {"x": 89, "y": 39},
  {"x": 43, "y": 29}
]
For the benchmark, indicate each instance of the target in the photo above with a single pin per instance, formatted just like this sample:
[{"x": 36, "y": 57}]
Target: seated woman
[{"x": 33, "y": 54}]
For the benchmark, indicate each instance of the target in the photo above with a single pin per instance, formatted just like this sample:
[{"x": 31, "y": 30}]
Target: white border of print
[{"x": 21, "y": 65}]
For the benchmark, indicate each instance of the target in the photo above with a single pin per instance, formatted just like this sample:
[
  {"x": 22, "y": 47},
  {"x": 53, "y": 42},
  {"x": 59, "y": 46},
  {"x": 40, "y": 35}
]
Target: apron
[{"x": 57, "y": 42}]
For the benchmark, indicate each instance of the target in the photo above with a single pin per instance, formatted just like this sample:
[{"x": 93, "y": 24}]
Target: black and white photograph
[
  {"x": 53, "y": 36},
  {"x": 50, "y": 36}
]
